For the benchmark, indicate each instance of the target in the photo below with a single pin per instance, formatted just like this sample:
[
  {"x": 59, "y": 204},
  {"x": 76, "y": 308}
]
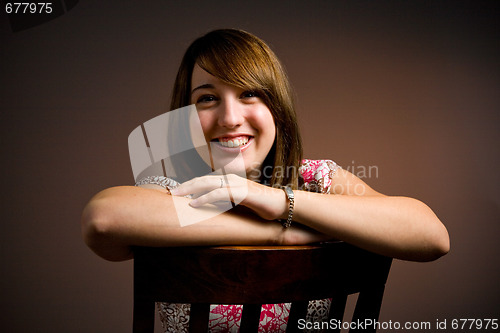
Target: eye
[
  {"x": 206, "y": 99},
  {"x": 249, "y": 94}
]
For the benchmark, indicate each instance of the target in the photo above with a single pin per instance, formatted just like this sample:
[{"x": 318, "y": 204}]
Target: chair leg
[
  {"x": 337, "y": 310},
  {"x": 368, "y": 307},
  {"x": 250, "y": 318},
  {"x": 198, "y": 317},
  {"x": 144, "y": 316}
]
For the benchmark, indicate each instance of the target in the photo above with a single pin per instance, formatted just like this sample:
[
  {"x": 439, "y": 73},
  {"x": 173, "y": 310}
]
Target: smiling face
[
  {"x": 233, "y": 119},
  {"x": 240, "y": 59}
]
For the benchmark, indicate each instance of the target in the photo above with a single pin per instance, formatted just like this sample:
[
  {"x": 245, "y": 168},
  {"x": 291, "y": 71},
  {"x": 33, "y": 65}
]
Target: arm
[
  {"x": 398, "y": 227},
  {"x": 120, "y": 217}
]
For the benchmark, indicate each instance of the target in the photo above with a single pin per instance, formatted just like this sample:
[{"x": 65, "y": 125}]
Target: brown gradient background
[{"x": 409, "y": 87}]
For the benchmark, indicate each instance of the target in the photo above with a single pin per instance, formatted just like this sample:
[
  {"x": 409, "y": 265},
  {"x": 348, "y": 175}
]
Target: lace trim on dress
[{"x": 165, "y": 182}]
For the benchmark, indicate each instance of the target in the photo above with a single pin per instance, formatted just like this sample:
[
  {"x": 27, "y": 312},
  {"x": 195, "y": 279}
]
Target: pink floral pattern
[
  {"x": 317, "y": 176},
  {"x": 224, "y": 318}
]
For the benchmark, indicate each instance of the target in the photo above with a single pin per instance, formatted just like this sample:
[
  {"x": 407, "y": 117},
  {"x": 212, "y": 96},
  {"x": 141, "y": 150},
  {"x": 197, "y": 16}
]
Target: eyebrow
[{"x": 203, "y": 86}]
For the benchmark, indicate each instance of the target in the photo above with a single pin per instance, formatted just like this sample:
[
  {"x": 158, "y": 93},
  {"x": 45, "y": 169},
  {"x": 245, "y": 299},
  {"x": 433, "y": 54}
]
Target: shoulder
[
  {"x": 326, "y": 176},
  {"x": 318, "y": 174}
]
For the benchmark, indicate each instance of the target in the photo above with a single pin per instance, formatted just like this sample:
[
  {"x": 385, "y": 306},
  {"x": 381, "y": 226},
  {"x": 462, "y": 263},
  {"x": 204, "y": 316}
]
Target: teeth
[{"x": 234, "y": 143}]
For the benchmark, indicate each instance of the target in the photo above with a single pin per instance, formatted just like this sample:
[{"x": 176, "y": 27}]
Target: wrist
[
  {"x": 279, "y": 233},
  {"x": 283, "y": 212},
  {"x": 290, "y": 200}
]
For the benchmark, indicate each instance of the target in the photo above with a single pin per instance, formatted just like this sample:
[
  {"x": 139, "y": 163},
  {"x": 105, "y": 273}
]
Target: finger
[
  {"x": 199, "y": 185},
  {"x": 212, "y": 197}
]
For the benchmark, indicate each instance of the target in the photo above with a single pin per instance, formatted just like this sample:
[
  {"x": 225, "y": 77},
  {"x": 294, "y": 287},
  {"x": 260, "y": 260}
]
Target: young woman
[{"x": 245, "y": 106}]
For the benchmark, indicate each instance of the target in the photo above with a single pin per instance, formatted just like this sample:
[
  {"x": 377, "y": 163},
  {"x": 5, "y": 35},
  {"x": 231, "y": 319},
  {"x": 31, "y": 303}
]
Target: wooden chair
[{"x": 253, "y": 276}]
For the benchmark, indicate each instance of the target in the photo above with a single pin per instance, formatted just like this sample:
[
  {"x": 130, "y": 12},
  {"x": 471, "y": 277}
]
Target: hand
[{"x": 267, "y": 202}]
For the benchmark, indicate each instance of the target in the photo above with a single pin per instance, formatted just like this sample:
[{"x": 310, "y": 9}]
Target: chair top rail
[{"x": 255, "y": 274}]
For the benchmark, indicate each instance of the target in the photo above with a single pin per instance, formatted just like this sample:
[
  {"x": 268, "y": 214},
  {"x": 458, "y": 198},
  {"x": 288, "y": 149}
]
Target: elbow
[
  {"x": 95, "y": 222},
  {"x": 441, "y": 243},
  {"x": 432, "y": 251},
  {"x": 434, "y": 240},
  {"x": 99, "y": 229},
  {"x": 437, "y": 244}
]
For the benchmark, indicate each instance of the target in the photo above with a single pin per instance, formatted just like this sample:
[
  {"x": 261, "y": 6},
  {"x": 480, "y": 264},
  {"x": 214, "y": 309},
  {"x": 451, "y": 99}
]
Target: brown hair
[{"x": 241, "y": 59}]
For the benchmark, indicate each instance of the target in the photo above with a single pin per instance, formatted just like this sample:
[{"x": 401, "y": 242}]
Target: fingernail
[{"x": 193, "y": 203}]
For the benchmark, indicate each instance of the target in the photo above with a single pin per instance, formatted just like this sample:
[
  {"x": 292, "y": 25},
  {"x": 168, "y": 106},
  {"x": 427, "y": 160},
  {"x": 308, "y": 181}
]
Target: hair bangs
[{"x": 236, "y": 62}]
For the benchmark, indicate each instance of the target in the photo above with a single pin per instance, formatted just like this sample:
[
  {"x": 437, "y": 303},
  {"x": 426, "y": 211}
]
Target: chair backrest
[{"x": 253, "y": 276}]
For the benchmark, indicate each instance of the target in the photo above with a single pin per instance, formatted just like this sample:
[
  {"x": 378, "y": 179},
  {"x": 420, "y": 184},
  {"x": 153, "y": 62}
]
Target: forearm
[
  {"x": 121, "y": 217},
  {"x": 398, "y": 227}
]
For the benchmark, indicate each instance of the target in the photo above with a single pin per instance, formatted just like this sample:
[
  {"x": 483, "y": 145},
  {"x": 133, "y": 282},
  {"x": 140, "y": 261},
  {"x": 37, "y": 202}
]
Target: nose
[{"x": 230, "y": 114}]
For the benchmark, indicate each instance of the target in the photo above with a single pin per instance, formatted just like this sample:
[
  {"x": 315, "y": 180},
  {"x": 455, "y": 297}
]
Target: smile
[{"x": 234, "y": 142}]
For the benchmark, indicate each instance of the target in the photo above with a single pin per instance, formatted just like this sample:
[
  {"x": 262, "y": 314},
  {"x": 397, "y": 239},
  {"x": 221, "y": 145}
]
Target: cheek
[
  {"x": 206, "y": 122},
  {"x": 269, "y": 128},
  {"x": 264, "y": 122}
]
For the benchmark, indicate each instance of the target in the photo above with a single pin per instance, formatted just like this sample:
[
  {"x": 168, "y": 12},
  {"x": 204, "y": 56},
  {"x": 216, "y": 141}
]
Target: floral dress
[{"x": 317, "y": 177}]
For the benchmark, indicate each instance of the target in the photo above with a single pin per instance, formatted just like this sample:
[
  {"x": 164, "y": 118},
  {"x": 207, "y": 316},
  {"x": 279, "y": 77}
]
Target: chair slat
[
  {"x": 198, "y": 317},
  {"x": 337, "y": 309},
  {"x": 368, "y": 307},
  {"x": 250, "y": 318},
  {"x": 298, "y": 310}
]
